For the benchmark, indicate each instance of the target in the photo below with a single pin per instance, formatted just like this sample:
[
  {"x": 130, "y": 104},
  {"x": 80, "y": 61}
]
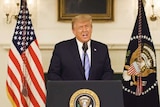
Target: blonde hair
[{"x": 81, "y": 18}]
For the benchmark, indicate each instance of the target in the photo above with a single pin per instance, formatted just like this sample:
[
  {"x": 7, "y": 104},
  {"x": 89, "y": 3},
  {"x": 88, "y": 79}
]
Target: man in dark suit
[{"x": 67, "y": 59}]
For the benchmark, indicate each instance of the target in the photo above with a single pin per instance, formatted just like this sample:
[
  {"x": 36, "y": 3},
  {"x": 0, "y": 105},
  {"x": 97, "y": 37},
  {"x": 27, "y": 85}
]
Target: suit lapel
[
  {"x": 93, "y": 56},
  {"x": 75, "y": 53}
]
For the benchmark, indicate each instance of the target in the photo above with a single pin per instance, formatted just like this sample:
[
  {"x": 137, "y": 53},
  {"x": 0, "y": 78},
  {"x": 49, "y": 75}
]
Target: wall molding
[{"x": 110, "y": 46}]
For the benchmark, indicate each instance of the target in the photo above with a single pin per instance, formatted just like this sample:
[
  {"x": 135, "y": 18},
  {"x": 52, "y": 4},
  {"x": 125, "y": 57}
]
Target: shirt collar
[{"x": 80, "y": 44}]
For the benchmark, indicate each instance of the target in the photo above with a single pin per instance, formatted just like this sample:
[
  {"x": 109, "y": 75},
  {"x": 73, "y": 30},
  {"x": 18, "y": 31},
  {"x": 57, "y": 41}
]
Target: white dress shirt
[{"x": 80, "y": 44}]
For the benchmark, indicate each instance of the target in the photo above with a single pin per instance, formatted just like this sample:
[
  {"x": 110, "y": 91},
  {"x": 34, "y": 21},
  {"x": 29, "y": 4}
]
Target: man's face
[{"x": 82, "y": 31}]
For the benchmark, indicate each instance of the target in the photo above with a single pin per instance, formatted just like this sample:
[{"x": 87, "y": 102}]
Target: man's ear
[{"x": 73, "y": 31}]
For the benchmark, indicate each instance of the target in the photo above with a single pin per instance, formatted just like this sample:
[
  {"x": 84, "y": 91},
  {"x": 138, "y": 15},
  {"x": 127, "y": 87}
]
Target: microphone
[{"x": 85, "y": 47}]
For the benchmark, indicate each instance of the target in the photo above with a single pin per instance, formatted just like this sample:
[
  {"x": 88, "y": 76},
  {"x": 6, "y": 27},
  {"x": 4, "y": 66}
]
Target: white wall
[{"x": 49, "y": 31}]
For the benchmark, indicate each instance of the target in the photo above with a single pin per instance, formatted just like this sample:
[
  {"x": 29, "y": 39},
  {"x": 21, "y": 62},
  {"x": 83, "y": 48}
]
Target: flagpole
[
  {"x": 139, "y": 77},
  {"x": 24, "y": 82}
]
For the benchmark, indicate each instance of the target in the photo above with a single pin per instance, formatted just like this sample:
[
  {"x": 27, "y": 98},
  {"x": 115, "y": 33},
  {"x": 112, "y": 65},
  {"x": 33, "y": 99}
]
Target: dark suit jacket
[{"x": 66, "y": 62}]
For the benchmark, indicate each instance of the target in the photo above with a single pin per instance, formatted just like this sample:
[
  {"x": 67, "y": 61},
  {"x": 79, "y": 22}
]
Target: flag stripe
[
  {"x": 132, "y": 70},
  {"x": 33, "y": 77},
  {"x": 17, "y": 98},
  {"x": 33, "y": 83},
  {"x": 36, "y": 73},
  {"x": 34, "y": 53},
  {"x": 16, "y": 65},
  {"x": 14, "y": 99},
  {"x": 32, "y": 97},
  {"x": 15, "y": 77}
]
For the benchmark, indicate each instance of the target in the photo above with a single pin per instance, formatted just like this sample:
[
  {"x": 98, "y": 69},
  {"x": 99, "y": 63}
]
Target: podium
[{"x": 98, "y": 93}]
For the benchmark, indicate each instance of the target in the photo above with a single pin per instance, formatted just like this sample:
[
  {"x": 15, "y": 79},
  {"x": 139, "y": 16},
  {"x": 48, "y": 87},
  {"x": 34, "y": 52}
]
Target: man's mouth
[{"x": 84, "y": 35}]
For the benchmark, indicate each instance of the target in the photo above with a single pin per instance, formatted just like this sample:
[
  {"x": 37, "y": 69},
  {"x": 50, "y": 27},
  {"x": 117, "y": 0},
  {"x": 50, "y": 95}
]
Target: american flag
[
  {"x": 25, "y": 81},
  {"x": 133, "y": 69}
]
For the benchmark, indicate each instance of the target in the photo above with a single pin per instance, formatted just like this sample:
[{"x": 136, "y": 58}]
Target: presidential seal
[
  {"x": 84, "y": 98},
  {"x": 142, "y": 65}
]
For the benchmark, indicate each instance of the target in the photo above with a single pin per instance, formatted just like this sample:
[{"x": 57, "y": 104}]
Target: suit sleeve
[
  {"x": 108, "y": 71},
  {"x": 54, "y": 71}
]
